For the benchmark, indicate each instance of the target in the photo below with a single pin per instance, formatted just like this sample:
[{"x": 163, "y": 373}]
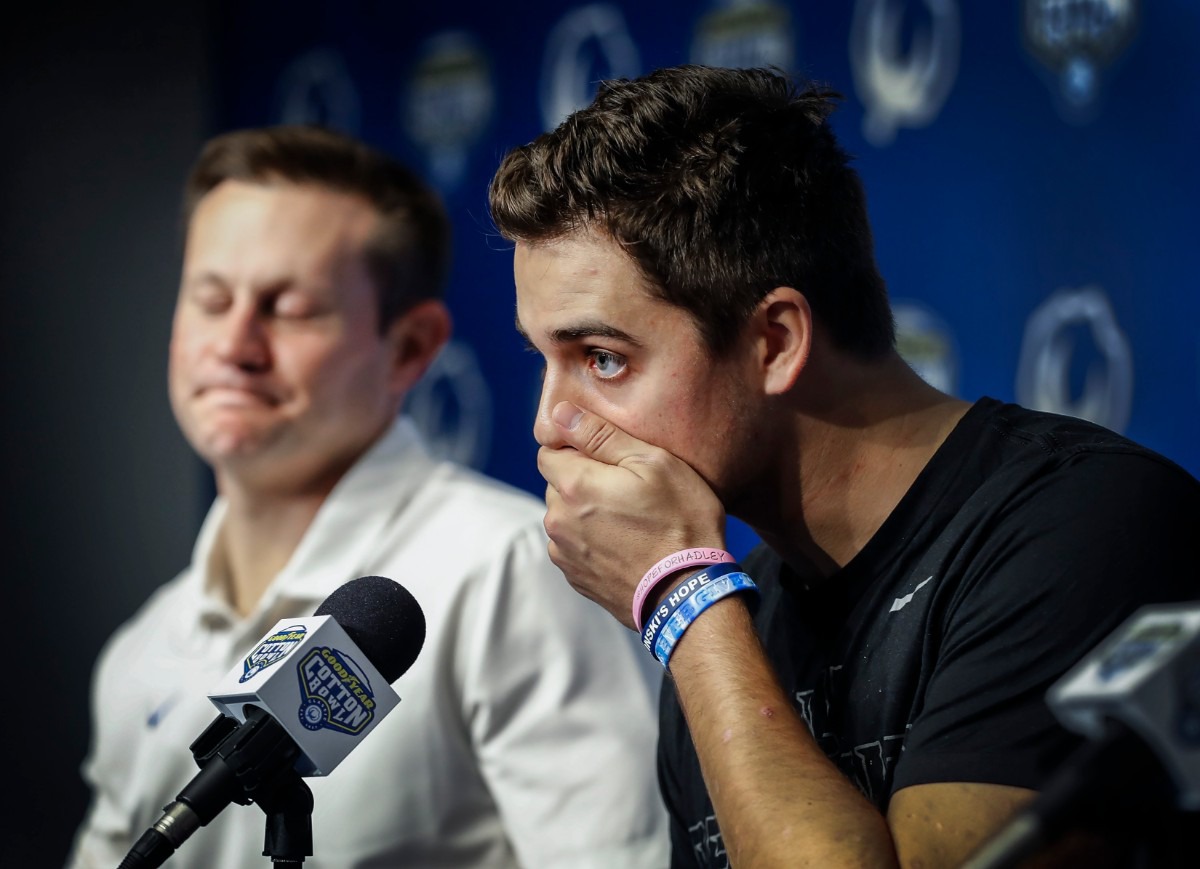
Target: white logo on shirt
[{"x": 901, "y": 602}]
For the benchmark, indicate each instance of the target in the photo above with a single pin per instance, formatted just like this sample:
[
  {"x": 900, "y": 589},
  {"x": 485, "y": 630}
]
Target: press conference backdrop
[{"x": 1030, "y": 169}]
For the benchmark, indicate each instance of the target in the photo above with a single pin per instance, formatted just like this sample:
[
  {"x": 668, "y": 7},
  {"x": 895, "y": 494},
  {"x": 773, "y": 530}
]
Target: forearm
[{"x": 778, "y": 800}]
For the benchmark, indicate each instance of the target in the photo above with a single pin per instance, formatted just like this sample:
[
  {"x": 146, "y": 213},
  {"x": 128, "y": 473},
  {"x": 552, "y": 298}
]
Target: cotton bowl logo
[
  {"x": 271, "y": 650},
  {"x": 1141, "y": 646},
  {"x": 744, "y": 35},
  {"x": 448, "y": 103},
  {"x": 1075, "y": 40},
  {"x": 335, "y": 695}
]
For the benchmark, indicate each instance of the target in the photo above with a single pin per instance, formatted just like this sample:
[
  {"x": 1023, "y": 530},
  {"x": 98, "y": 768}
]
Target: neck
[
  {"x": 855, "y": 438},
  {"x": 259, "y": 534}
]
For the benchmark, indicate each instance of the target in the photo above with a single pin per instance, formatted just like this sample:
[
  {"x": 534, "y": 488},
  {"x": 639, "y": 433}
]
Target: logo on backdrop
[
  {"x": 1076, "y": 40},
  {"x": 334, "y": 692},
  {"x": 316, "y": 88},
  {"x": 745, "y": 34},
  {"x": 897, "y": 89},
  {"x": 452, "y": 407},
  {"x": 272, "y": 650},
  {"x": 927, "y": 344},
  {"x": 1052, "y": 348},
  {"x": 448, "y": 103},
  {"x": 586, "y": 45}
]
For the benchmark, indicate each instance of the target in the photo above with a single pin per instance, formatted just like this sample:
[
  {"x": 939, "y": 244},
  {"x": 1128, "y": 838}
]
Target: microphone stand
[
  {"x": 260, "y": 756},
  {"x": 239, "y": 763},
  {"x": 288, "y": 806}
]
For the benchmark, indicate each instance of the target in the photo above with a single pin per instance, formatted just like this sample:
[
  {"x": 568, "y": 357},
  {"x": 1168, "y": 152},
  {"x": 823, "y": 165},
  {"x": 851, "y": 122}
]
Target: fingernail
[{"x": 567, "y": 415}]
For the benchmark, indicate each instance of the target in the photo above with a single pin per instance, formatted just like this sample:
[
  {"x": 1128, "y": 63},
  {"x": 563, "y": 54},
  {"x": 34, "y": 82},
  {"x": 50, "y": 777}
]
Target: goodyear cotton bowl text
[
  {"x": 272, "y": 650},
  {"x": 335, "y": 695}
]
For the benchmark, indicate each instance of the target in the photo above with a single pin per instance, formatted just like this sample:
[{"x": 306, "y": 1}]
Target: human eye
[
  {"x": 295, "y": 305},
  {"x": 210, "y": 297},
  {"x": 606, "y": 364}
]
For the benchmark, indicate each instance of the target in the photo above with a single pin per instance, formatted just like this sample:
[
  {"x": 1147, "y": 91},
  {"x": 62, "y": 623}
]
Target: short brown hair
[
  {"x": 721, "y": 184},
  {"x": 408, "y": 256}
]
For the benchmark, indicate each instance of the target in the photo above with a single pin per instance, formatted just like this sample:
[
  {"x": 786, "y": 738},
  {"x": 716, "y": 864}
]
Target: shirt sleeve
[
  {"x": 561, "y": 711},
  {"x": 1058, "y": 569}
]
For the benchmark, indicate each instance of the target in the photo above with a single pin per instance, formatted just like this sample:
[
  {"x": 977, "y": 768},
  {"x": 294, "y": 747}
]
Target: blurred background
[{"x": 1026, "y": 162}]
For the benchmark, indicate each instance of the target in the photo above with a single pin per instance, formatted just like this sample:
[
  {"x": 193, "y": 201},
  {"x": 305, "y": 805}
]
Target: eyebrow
[{"x": 586, "y": 329}]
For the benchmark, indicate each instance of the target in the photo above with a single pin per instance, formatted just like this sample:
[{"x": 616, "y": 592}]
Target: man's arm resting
[{"x": 778, "y": 800}]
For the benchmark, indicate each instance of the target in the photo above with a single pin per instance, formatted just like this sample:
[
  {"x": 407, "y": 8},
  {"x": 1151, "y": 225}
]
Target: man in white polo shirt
[{"x": 309, "y": 306}]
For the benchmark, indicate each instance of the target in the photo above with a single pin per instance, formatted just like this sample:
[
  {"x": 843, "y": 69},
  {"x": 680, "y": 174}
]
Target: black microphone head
[{"x": 382, "y": 618}]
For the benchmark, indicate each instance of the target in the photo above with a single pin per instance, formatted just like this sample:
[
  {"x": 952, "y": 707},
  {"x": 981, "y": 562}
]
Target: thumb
[{"x": 596, "y": 437}]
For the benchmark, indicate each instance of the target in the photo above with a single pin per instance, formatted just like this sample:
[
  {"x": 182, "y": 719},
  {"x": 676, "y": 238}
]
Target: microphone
[
  {"x": 1136, "y": 697},
  {"x": 297, "y": 705}
]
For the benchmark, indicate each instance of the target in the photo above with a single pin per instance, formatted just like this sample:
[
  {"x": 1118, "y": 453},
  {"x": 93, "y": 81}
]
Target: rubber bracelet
[
  {"x": 691, "y": 608},
  {"x": 658, "y": 616},
  {"x": 674, "y": 562}
]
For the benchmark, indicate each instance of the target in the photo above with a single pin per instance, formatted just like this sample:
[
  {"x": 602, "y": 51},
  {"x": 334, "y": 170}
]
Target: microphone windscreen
[{"x": 382, "y": 618}]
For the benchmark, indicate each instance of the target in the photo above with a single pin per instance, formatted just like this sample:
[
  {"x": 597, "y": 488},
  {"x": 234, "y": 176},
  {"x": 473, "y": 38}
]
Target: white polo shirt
[{"x": 526, "y": 729}]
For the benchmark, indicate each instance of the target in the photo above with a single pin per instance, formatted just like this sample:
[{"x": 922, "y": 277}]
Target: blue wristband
[
  {"x": 692, "y": 606},
  {"x": 658, "y": 617}
]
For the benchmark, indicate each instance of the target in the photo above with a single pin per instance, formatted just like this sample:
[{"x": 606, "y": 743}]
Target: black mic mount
[{"x": 243, "y": 763}]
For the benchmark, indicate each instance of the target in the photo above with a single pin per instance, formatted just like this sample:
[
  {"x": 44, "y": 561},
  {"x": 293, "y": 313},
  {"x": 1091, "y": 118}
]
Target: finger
[
  {"x": 559, "y": 467},
  {"x": 596, "y": 437}
]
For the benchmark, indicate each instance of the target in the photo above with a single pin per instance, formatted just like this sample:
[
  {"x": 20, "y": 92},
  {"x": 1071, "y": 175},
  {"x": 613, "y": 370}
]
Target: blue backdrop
[{"x": 1027, "y": 168}]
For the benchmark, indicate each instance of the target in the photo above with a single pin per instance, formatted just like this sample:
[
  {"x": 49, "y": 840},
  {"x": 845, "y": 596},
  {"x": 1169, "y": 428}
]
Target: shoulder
[
  {"x": 479, "y": 500},
  {"x": 1050, "y": 470},
  {"x": 158, "y": 616}
]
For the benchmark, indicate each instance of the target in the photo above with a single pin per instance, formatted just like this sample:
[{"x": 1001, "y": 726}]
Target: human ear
[
  {"x": 415, "y": 338},
  {"x": 783, "y": 334}
]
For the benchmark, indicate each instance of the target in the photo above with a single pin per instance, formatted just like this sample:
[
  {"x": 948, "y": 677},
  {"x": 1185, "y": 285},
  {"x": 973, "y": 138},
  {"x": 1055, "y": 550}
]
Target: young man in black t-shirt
[{"x": 694, "y": 263}]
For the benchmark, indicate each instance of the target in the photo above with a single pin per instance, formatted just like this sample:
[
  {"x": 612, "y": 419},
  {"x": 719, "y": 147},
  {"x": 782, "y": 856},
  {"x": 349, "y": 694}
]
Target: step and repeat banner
[{"x": 1029, "y": 166}]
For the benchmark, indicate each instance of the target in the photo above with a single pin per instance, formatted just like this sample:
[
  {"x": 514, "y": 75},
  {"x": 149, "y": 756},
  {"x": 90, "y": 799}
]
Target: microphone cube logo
[
  {"x": 335, "y": 693},
  {"x": 271, "y": 650}
]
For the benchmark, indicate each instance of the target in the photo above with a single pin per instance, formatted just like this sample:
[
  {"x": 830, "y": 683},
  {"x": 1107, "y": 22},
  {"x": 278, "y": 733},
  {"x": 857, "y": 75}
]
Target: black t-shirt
[{"x": 1027, "y": 539}]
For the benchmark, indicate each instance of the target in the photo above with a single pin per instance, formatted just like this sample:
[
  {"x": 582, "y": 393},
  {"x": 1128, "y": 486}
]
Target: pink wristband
[{"x": 673, "y": 563}]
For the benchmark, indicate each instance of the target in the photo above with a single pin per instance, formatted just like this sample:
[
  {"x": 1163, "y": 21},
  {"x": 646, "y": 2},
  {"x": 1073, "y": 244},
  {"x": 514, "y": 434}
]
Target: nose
[
  {"x": 545, "y": 432},
  {"x": 242, "y": 339}
]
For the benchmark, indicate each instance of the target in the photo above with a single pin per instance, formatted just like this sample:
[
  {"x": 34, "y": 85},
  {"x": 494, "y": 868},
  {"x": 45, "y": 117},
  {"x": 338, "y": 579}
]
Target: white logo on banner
[
  {"x": 744, "y": 34},
  {"x": 452, "y": 407},
  {"x": 1047, "y": 353},
  {"x": 902, "y": 91},
  {"x": 926, "y": 343},
  {"x": 589, "y": 44},
  {"x": 448, "y": 103},
  {"x": 1075, "y": 39},
  {"x": 317, "y": 89}
]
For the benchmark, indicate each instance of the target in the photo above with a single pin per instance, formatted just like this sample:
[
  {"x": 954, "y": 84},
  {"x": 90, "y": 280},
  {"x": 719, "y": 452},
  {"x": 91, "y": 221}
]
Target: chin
[{"x": 230, "y": 445}]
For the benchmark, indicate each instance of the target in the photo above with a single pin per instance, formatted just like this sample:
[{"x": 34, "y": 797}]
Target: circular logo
[
  {"x": 448, "y": 103},
  {"x": 587, "y": 45},
  {"x": 452, "y": 407},
  {"x": 317, "y": 89},
  {"x": 899, "y": 87},
  {"x": 745, "y": 35},
  {"x": 1051, "y": 351},
  {"x": 313, "y": 714}
]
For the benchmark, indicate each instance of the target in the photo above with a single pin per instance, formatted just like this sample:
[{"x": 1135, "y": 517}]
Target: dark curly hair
[{"x": 721, "y": 184}]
